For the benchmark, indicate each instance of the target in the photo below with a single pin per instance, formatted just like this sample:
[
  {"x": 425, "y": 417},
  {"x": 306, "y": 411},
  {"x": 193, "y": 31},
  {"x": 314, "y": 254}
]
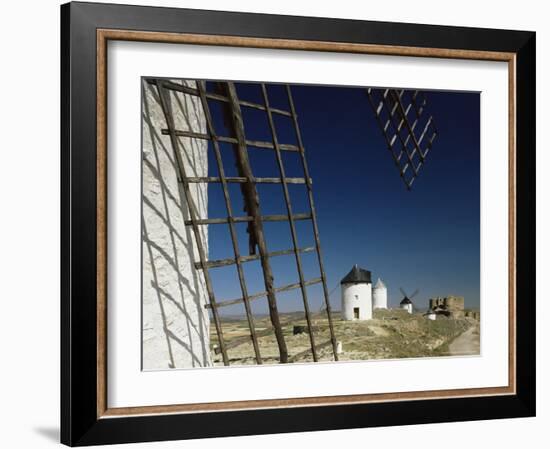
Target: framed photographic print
[{"x": 276, "y": 224}]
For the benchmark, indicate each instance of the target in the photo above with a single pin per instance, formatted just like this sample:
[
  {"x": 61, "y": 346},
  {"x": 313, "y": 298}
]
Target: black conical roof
[
  {"x": 357, "y": 275},
  {"x": 405, "y": 301}
]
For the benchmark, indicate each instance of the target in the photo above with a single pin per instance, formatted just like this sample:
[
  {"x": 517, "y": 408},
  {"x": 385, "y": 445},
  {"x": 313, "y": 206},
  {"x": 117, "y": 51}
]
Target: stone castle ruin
[{"x": 450, "y": 306}]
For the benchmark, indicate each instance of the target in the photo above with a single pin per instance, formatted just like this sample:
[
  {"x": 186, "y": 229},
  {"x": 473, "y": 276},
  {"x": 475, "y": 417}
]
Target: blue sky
[{"x": 426, "y": 239}]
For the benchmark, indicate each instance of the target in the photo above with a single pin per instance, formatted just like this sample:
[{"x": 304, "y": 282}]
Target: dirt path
[{"x": 466, "y": 343}]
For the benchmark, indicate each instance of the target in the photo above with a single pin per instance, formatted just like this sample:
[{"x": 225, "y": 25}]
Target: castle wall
[
  {"x": 453, "y": 304},
  {"x": 437, "y": 302},
  {"x": 175, "y": 324}
]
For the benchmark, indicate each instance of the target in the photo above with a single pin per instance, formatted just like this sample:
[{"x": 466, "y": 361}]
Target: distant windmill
[{"x": 406, "y": 303}]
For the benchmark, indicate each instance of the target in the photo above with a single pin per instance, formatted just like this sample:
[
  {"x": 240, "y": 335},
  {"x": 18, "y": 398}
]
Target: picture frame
[{"x": 86, "y": 29}]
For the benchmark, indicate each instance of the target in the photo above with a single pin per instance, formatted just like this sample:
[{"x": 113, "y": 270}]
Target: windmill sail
[{"x": 409, "y": 131}]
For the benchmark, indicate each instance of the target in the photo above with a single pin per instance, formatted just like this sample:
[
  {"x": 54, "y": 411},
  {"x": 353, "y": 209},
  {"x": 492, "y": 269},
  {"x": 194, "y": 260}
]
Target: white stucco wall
[
  {"x": 357, "y": 295},
  {"x": 407, "y": 307},
  {"x": 175, "y": 324},
  {"x": 380, "y": 298}
]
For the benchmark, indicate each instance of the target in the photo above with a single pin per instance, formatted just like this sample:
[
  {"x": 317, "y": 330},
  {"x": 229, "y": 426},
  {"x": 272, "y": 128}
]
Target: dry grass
[{"x": 390, "y": 334}]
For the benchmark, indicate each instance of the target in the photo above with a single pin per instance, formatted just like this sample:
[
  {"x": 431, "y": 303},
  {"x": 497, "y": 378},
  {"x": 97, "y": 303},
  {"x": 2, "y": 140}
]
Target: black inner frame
[{"x": 79, "y": 422}]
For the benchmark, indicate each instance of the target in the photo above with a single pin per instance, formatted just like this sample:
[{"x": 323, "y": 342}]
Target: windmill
[{"x": 406, "y": 303}]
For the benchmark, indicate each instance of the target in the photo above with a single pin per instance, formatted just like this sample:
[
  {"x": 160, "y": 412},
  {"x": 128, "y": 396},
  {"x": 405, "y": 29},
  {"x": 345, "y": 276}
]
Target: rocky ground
[{"x": 390, "y": 334}]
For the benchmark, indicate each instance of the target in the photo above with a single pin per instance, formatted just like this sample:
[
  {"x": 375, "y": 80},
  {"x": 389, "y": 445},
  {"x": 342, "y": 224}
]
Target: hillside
[{"x": 391, "y": 334}]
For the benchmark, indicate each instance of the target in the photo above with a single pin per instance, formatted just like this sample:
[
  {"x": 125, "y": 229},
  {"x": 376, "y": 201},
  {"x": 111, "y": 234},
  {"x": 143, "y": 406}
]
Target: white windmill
[
  {"x": 406, "y": 303},
  {"x": 379, "y": 295}
]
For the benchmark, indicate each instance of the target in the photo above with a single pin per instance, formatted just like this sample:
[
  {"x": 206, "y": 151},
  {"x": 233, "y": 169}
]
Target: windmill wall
[
  {"x": 408, "y": 307},
  {"x": 357, "y": 295},
  {"x": 380, "y": 297},
  {"x": 175, "y": 324}
]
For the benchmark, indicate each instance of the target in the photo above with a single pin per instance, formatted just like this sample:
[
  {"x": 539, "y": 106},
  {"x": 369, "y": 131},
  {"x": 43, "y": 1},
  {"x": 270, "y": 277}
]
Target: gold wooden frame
[{"x": 104, "y": 35}]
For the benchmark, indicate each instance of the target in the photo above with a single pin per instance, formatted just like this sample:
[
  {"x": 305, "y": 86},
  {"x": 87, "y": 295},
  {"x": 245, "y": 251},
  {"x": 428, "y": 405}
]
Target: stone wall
[
  {"x": 455, "y": 305},
  {"x": 452, "y": 304},
  {"x": 436, "y": 302},
  {"x": 175, "y": 323},
  {"x": 472, "y": 314},
  {"x": 455, "y": 302}
]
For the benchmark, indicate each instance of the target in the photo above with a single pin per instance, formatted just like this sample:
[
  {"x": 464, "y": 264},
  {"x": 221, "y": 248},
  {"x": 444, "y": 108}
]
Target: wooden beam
[
  {"x": 252, "y": 204},
  {"x": 246, "y": 219},
  {"x": 232, "y": 231},
  {"x": 284, "y": 288},
  {"x": 231, "y": 261}
]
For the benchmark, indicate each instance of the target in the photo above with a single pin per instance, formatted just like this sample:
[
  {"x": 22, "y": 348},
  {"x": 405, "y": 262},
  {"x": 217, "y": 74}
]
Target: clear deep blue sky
[{"x": 426, "y": 239}]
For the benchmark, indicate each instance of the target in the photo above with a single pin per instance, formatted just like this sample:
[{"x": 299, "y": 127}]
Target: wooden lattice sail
[
  {"x": 232, "y": 105},
  {"x": 409, "y": 131}
]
